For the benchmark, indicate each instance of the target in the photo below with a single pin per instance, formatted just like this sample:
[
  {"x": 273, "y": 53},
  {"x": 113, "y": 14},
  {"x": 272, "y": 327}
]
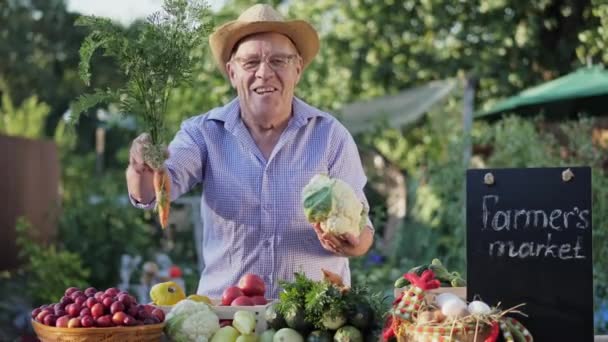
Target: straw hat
[{"x": 258, "y": 19}]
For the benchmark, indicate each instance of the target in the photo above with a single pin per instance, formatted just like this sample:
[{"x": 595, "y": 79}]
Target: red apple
[
  {"x": 90, "y": 302},
  {"x": 107, "y": 302},
  {"x": 70, "y": 290},
  {"x": 252, "y": 285},
  {"x": 142, "y": 314},
  {"x": 242, "y": 301},
  {"x": 49, "y": 320},
  {"x": 158, "y": 313},
  {"x": 99, "y": 295},
  {"x": 129, "y": 321},
  {"x": 132, "y": 310},
  {"x": 112, "y": 291},
  {"x": 116, "y": 307},
  {"x": 104, "y": 321},
  {"x": 35, "y": 312},
  {"x": 230, "y": 294},
  {"x": 259, "y": 300},
  {"x": 73, "y": 309},
  {"x": 74, "y": 322},
  {"x": 126, "y": 299},
  {"x": 151, "y": 320},
  {"x": 80, "y": 300},
  {"x": 90, "y": 291},
  {"x": 41, "y": 314},
  {"x": 148, "y": 308},
  {"x": 97, "y": 310},
  {"x": 77, "y": 294},
  {"x": 62, "y": 322},
  {"x": 65, "y": 300},
  {"x": 87, "y": 321},
  {"x": 118, "y": 317}
]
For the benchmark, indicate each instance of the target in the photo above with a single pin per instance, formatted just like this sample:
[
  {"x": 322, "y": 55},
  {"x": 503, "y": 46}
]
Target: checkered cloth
[
  {"x": 251, "y": 207},
  {"x": 409, "y": 304}
]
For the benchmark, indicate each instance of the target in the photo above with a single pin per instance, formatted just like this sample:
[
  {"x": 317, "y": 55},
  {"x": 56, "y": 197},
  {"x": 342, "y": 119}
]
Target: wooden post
[
  {"x": 30, "y": 170},
  {"x": 467, "y": 116}
]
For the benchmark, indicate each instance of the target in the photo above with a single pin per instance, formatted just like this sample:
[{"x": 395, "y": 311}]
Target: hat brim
[{"x": 301, "y": 33}]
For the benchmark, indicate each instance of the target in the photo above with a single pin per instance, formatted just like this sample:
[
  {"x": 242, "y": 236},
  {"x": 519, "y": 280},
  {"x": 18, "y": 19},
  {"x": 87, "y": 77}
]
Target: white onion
[
  {"x": 443, "y": 297},
  {"x": 477, "y": 307},
  {"x": 454, "y": 308}
]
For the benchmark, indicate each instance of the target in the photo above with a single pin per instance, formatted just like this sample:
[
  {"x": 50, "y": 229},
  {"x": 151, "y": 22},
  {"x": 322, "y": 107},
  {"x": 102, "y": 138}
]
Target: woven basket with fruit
[
  {"x": 92, "y": 315},
  {"x": 448, "y": 318}
]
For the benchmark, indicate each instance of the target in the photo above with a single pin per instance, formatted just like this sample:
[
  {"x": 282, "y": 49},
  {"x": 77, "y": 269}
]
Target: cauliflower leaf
[{"x": 333, "y": 203}]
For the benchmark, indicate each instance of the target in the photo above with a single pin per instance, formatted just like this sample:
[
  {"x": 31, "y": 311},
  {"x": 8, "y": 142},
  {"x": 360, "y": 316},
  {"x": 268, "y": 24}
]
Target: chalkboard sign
[{"x": 529, "y": 241}]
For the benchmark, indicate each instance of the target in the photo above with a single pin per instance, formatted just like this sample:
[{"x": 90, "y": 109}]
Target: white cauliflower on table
[
  {"x": 191, "y": 321},
  {"x": 333, "y": 203}
]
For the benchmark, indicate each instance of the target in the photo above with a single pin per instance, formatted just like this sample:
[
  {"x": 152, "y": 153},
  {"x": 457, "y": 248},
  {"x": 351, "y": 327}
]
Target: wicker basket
[
  {"x": 444, "y": 333},
  {"x": 460, "y": 292},
  {"x": 140, "y": 333}
]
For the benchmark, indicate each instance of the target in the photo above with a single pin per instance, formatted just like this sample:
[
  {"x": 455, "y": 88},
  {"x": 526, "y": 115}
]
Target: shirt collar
[{"x": 230, "y": 113}]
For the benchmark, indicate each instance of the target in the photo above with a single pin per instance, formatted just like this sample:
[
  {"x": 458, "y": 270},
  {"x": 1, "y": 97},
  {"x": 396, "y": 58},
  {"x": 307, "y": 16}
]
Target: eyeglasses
[{"x": 276, "y": 62}]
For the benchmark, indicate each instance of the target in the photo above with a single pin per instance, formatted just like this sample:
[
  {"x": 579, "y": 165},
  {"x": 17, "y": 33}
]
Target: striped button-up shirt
[{"x": 251, "y": 206}]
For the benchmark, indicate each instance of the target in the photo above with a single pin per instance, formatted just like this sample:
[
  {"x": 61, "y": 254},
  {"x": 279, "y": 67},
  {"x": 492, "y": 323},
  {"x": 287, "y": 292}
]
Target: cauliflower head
[
  {"x": 333, "y": 203},
  {"x": 191, "y": 321}
]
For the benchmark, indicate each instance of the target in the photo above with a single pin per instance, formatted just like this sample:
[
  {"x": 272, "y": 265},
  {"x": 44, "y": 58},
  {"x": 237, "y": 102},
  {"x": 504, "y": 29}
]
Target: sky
[{"x": 124, "y": 11}]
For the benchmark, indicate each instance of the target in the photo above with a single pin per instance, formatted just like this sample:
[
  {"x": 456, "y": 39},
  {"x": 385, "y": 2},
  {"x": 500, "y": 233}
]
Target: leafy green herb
[
  {"x": 294, "y": 293},
  {"x": 155, "y": 60},
  {"x": 324, "y": 304},
  {"x": 324, "y": 301}
]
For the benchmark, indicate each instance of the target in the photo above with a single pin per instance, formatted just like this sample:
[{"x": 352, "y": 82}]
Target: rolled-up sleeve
[{"x": 187, "y": 157}]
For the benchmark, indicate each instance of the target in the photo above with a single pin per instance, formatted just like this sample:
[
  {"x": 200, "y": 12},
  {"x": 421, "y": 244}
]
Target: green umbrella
[{"x": 585, "y": 90}]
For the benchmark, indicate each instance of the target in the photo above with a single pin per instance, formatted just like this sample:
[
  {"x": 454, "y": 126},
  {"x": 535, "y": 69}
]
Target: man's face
[{"x": 265, "y": 69}]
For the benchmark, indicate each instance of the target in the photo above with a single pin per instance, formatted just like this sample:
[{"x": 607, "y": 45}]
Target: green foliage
[
  {"x": 97, "y": 223},
  {"x": 48, "y": 270},
  {"x": 595, "y": 39},
  {"x": 293, "y": 296},
  {"x": 324, "y": 299},
  {"x": 321, "y": 301},
  {"x": 155, "y": 61},
  {"x": 26, "y": 120},
  {"x": 88, "y": 101}
]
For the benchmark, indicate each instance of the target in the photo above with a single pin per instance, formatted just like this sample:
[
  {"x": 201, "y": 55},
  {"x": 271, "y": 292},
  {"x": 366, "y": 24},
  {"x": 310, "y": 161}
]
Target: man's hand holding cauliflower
[{"x": 338, "y": 216}]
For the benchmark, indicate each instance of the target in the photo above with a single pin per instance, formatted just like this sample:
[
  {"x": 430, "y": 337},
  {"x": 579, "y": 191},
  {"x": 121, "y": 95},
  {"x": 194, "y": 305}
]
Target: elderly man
[{"x": 254, "y": 155}]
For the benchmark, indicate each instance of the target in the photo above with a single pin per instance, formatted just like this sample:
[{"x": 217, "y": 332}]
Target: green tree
[
  {"x": 595, "y": 39},
  {"x": 39, "y": 55},
  {"x": 27, "y": 120}
]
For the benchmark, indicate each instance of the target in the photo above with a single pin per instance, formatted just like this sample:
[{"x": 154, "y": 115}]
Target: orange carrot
[{"x": 162, "y": 188}]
